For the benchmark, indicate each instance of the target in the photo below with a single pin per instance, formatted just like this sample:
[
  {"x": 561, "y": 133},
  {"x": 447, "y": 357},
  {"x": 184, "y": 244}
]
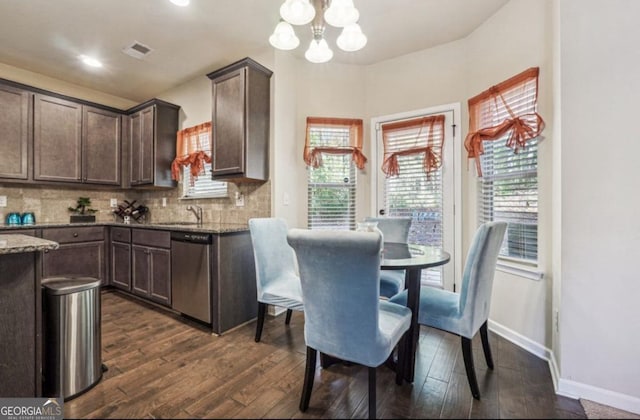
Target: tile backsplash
[{"x": 50, "y": 203}]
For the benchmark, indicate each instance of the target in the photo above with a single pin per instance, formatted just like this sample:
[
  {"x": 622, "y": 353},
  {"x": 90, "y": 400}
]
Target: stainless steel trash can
[{"x": 71, "y": 335}]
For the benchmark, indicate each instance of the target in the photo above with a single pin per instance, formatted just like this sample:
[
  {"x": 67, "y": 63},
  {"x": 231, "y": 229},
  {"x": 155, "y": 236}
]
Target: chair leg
[
  {"x": 467, "y": 355},
  {"x": 401, "y": 359},
  {"x": 287, "y": 320},
  {"x": 485, "y": 345},
  {"x": 309, "y": 374},
  {"x": 262, "y": 309},
  {"x": 372, "y": 393}
]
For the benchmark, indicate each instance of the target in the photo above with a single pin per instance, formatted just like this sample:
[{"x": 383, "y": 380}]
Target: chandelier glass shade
[{"x": 318, "y": 13}]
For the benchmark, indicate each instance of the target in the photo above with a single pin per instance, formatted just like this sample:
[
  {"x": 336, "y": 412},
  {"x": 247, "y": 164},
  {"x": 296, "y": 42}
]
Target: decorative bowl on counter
[
  {"x": 28, "y": 218},
  {"x": 13, "y": 219}
]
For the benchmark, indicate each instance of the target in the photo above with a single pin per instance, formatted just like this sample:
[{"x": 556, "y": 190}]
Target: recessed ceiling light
[
  {"x": 180, "y": 2},
  {"x": 90, "y": 61}
]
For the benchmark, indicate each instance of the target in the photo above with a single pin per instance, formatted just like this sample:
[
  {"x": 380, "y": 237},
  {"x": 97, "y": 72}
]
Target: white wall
[
  {"x": 497, "y": 50},
  {"x": 599, "y": 319}
]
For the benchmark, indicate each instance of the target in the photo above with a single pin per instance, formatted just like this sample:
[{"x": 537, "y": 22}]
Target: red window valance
[
  {"x": 508, "y": 108},
  {"x": 424, "y": 135},
  {"x": 313, "y": 150},
  {"x": 193, "y": 149}
]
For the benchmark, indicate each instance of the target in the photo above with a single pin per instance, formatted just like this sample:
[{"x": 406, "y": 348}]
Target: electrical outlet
[
  {"x": 285, "y": 199},
  {"x": 164, "y": 201},
  {"x": 557, "y": 321},
  {"x": 114, "y": 202},
  {"x": 3, "y": 201},
  {"x": 239, "y": 199}
]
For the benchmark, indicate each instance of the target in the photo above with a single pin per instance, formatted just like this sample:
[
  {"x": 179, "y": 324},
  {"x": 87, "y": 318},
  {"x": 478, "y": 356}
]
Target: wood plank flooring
[{"x": 163, "y": 367}]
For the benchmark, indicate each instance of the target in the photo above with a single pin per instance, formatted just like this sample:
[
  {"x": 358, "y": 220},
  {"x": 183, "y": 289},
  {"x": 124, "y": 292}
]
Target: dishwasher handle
[{"x": 193, "y": 237}]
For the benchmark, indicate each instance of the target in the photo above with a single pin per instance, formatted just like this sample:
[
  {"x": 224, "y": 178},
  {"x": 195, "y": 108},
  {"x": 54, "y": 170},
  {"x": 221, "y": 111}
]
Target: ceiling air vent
[{"x": 137, "y": 50}]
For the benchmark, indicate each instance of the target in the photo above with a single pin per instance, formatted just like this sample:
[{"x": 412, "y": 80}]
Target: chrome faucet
[{"x": 197, "y": 210}]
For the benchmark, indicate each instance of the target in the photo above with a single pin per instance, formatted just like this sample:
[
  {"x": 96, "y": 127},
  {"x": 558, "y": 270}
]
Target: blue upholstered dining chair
[
  {"x": 394, "y": 229},
  {"x": 344, "y": 316},
  {"x": 467, "y": 312},
  {"x": 277, "y": 279}
]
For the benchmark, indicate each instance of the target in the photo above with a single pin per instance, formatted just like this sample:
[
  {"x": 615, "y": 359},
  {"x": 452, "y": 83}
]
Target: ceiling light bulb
[
  {"x": 283, "y": 37},
  {"x": 319, "y": 51},
  {"x": 297, "y": 12},
  {"x": 90, "y": 61},
  {"x": 182, "y": 3},
  {"x": 341, "y": 13},
  {"x": 351, "y": 38}
]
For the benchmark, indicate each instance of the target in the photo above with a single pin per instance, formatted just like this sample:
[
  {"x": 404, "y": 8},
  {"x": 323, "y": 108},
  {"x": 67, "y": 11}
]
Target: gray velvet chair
[
  {"x": 277, "y": 280},
  {"x": 467, "y": 312},
  {"x": 344, "y": 316},
  {"x": 394, "y": 229}
]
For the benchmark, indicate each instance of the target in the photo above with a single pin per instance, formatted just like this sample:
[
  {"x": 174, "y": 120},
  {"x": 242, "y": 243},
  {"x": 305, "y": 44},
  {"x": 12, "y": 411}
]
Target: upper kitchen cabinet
[
  {"x": 240, "y": 115},
  {"x": 74, "y": 142},
  {"x": 101, "y": 146},
  {"x": 57, "y": 139},
  {"x": 15, "y": 132},
  {"x": 152, "y": 143}
]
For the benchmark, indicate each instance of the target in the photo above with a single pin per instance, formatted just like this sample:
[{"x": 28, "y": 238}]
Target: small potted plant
[{"x": 83, "y": 213}]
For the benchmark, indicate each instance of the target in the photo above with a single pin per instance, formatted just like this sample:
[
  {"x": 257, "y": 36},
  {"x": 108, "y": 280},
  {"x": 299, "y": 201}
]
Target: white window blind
[
  {"x": 508, "y": 189},
  {"x": 414, "y": 194},
  {"x": 202, "y": 186},
  {"x": 331, "y": 187}
]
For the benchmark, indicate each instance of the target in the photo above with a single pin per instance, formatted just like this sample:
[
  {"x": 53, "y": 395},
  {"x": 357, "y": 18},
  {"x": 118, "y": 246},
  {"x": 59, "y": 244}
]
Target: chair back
[
  {"x": 274, "y": 258},
  {"x": 477, "y": 278},
  {"x": 394, "y": 229},
  {"x": 339, "y": 276}
]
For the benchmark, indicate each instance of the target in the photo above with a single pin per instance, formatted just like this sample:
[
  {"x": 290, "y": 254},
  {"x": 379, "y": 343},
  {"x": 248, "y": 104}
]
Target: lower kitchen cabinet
[
  {"x": 121, "y": 265},
  {"x": 151, "y": 265},
  {"x": 81, "y": 252}
]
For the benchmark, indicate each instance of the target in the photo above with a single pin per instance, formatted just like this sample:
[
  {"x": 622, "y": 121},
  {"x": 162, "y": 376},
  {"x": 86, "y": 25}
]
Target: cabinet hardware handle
[{"x": 75, "y": 235}]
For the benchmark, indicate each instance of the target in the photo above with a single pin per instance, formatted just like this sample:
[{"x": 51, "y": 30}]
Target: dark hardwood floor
[{"x": 163, "y": 367}]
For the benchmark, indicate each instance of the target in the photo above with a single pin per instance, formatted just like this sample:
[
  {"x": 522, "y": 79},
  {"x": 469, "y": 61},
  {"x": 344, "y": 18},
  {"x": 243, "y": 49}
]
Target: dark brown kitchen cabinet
[
  {"x": 151, "y": 265},
  {"x": 75, "y": 142},
  {"x": 57, "y": 139},
  {"x": 152, "y": 143},
  {"x": 121, "y": 258},
  {"x": 101, "y": 145},
  {"x": 240, "y": 116},
  {"x": 81, "y": 252},
  {"x": 15, "y": 132}
]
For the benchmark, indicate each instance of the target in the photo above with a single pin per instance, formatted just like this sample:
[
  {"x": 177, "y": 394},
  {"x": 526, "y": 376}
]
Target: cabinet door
[
  {"x": 57, "y": 139},
  {"x": 229, "y": 123},
  {"x": 135, "y": 132},
  {"x": 147, "y": 145},
  {"x": 15, "y": 129},
  {"x": 140, "y": 274},
  {"x": 75, "y": 259},
  {"x": 100, "y": 146},
  {"x": 121, "y": 265},
  {"x": 160, "y": 275}
]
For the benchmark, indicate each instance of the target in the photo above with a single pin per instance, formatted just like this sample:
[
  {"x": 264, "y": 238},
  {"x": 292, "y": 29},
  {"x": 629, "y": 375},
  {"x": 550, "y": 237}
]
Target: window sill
[{"x": 520, "y": 270}]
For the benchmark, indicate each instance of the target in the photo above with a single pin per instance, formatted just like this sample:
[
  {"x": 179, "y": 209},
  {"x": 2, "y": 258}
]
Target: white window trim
[
  {"x": 456, "y": 253},
  {"x": 519, "y": 268}
]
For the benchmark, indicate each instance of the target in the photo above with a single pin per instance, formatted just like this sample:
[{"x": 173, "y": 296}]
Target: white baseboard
[
  {"x": 566, "y": 387},
  {"x": 275, "y": 310}
]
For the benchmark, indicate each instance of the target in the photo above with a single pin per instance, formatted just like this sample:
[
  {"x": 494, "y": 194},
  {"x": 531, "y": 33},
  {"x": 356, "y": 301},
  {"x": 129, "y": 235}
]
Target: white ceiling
[{"x": 47, "y": 36}]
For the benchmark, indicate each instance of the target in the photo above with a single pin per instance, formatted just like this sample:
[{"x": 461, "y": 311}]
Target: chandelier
[{"x": 338, "y": 13}]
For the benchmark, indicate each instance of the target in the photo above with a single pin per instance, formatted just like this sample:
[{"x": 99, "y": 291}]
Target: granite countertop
[
  {"x": 18, "y": 243},
  {"x": 182, "y": 226}
]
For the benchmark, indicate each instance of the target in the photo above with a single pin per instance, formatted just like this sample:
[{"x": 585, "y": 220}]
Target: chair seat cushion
[
  {"x": 391, "y": 282},
  {"x": 438, "y": 308},
  {"x": 283, "y": 291}
]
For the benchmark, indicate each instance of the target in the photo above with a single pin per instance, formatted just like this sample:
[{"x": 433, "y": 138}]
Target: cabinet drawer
[
  {"x": 74, "y": 234},
  {"x": 148, "y": 237},
  {"x": 119, "y": 234}
]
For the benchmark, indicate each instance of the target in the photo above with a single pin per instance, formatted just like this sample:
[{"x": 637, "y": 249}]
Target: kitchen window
[
  {"x": 335, "y": 145},
  {"x": 193, "y": 163}
]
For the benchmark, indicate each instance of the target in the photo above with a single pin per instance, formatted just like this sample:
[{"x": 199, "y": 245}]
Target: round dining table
[{"x": 413, "y": 259}]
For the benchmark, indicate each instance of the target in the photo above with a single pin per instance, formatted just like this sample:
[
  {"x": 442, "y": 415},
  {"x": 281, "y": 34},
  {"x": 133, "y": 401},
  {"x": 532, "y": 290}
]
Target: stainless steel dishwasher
[{"x": 190, "y": 274}]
